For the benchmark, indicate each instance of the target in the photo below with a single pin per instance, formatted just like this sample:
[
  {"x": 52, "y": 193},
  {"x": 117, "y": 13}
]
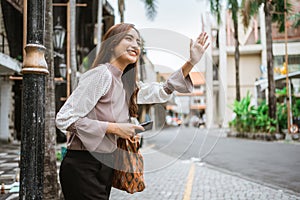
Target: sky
[{"x": 167, "y": 37}]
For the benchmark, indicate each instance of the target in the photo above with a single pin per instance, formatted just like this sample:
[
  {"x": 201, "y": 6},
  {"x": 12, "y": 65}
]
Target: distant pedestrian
[{"x": 98, "y": 110}]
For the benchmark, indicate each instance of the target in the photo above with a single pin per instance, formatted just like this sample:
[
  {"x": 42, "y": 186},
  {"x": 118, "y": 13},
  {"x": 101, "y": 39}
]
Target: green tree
[
  {"x": 274, "y": 12},
  {"x": 296, "y": 19},
  {"x": 150, "y": 6},
  {"x": 216, "y": 6}
]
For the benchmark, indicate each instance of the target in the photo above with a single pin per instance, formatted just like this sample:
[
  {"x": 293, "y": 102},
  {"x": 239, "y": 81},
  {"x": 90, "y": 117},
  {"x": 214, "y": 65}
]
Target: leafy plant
[
  {"x": 296, "y": 108},
  {"x": 58, "y": 156},
  {"x": 282, "y": 108},
  {"x": 296, "y": 19},
  {"x": 282, "y": 115},
  {"x": 281, "y": 92},
  {"x": 250, "y": 118}
]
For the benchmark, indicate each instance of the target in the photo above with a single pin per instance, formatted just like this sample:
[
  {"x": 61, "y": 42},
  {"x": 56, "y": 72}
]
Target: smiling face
[{"x": 128, "y": 50}]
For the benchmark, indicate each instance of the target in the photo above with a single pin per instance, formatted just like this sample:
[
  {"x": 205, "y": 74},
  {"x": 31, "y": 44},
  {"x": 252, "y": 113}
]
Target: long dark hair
[{"x": 110, "y": 40}]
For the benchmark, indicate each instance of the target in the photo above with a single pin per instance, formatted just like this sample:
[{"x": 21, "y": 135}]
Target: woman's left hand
[{"x": 198, "y": 48}]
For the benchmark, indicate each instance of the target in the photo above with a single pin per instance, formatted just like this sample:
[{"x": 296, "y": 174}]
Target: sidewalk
[
  {"x": 9, "y": 167},
  {"x": 169, "y": 178},
  {"x": 9, "y": 162}
]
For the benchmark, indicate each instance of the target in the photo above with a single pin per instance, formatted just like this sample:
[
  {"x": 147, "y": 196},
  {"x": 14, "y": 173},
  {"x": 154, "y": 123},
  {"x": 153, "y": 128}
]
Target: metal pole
[
  {"x": 33, "y": 105},
  {"x": 68, "y": 76},
  {"x": 24, "y": 26},
  {"x": 287, "y": 71}
]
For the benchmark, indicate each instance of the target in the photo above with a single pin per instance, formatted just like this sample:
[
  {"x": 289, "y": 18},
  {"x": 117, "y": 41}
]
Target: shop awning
[{"x": 263, "y": 83}]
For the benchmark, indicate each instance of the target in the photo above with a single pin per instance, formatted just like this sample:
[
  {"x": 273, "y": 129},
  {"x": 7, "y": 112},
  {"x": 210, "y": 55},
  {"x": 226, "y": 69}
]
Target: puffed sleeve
[
  {"x": 91, "y": 87},
  {"x": 90, "y": 132},
  {"x": 161, "y": 92}
]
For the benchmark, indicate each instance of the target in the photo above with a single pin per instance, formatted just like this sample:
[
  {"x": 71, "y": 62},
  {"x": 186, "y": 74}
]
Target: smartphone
[{"x": 147, "y": 126}]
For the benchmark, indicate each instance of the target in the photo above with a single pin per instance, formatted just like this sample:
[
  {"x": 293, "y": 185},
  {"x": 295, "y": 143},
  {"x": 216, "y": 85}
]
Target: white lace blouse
[{"x": 100, "y": 98}]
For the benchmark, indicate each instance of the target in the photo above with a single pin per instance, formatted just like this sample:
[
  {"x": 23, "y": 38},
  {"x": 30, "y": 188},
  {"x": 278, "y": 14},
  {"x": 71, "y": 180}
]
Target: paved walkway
[
  {"x": 9, "y": 168},
  {"x": 168, "y": 178},
  {"x": 9, "y": 162}
]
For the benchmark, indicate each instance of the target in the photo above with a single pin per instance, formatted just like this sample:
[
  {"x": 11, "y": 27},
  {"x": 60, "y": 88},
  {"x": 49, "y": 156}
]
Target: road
[{"x": 271, "y": 163}]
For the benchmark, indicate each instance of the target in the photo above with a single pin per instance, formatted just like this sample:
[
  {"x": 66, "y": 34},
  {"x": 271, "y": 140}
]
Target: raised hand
[{"x": 198, "y": 48}]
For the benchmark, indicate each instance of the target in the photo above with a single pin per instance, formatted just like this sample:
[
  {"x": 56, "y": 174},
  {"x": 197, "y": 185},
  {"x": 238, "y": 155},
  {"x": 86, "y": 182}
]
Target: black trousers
[{"x": 86, "y": 176}]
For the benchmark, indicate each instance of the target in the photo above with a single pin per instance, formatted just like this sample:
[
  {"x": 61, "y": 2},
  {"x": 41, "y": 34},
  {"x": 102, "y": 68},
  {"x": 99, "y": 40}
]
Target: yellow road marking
[{"x": 189, "y": 183}]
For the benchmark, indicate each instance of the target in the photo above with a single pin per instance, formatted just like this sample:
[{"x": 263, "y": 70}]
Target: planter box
[{"x": 256, "y": 136}]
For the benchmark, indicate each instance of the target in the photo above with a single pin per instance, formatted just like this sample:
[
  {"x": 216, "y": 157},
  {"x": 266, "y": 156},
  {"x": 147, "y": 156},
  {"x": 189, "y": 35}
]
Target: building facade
[
  {"x": 9, "y": 65},
  {"x": 13, "y": 40},
  {"x": 253, "y": 58}
]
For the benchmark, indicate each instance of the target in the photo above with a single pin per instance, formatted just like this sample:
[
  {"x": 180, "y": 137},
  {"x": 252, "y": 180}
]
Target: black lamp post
[{"x": 33, "y": 105}]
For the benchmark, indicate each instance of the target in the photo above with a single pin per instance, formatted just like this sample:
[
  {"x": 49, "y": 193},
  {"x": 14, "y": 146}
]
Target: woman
[{"x": 98, "y": 111}]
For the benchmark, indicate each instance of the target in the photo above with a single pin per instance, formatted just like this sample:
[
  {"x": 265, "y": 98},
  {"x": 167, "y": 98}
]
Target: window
[{"x": 293, "y": 62}]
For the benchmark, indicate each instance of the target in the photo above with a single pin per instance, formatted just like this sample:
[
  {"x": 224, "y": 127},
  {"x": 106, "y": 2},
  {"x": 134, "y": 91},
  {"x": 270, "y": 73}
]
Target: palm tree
[
  {"x": 274, "y": 11},
  {"x": 50, "y": 168},
  {"x": 121, "y": 9},
  {"x": 150, "y": 6},
  {"x": 296, "y": 19},
  {"x": 216, "y": 6}
]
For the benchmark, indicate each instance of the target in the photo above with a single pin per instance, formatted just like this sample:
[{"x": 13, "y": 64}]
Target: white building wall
[
  {"x": 292, "y": 48},
  {"x": 249, "y": 72},
  {"x": 5, "y": 108},
  {"x": 209, "y": 111},
  {"x": 150, "y": 74},
  {"x": 223, "y": 99},
  {"x": 183, "y": 104}
]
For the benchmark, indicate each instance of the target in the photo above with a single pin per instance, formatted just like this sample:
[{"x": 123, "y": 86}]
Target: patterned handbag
[{"x": 128, "y": 166}]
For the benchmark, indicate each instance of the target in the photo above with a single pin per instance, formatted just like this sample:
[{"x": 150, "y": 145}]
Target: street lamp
[
  {"x": 63, "y": 70},
  {"x": 58, "y": 35}
]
